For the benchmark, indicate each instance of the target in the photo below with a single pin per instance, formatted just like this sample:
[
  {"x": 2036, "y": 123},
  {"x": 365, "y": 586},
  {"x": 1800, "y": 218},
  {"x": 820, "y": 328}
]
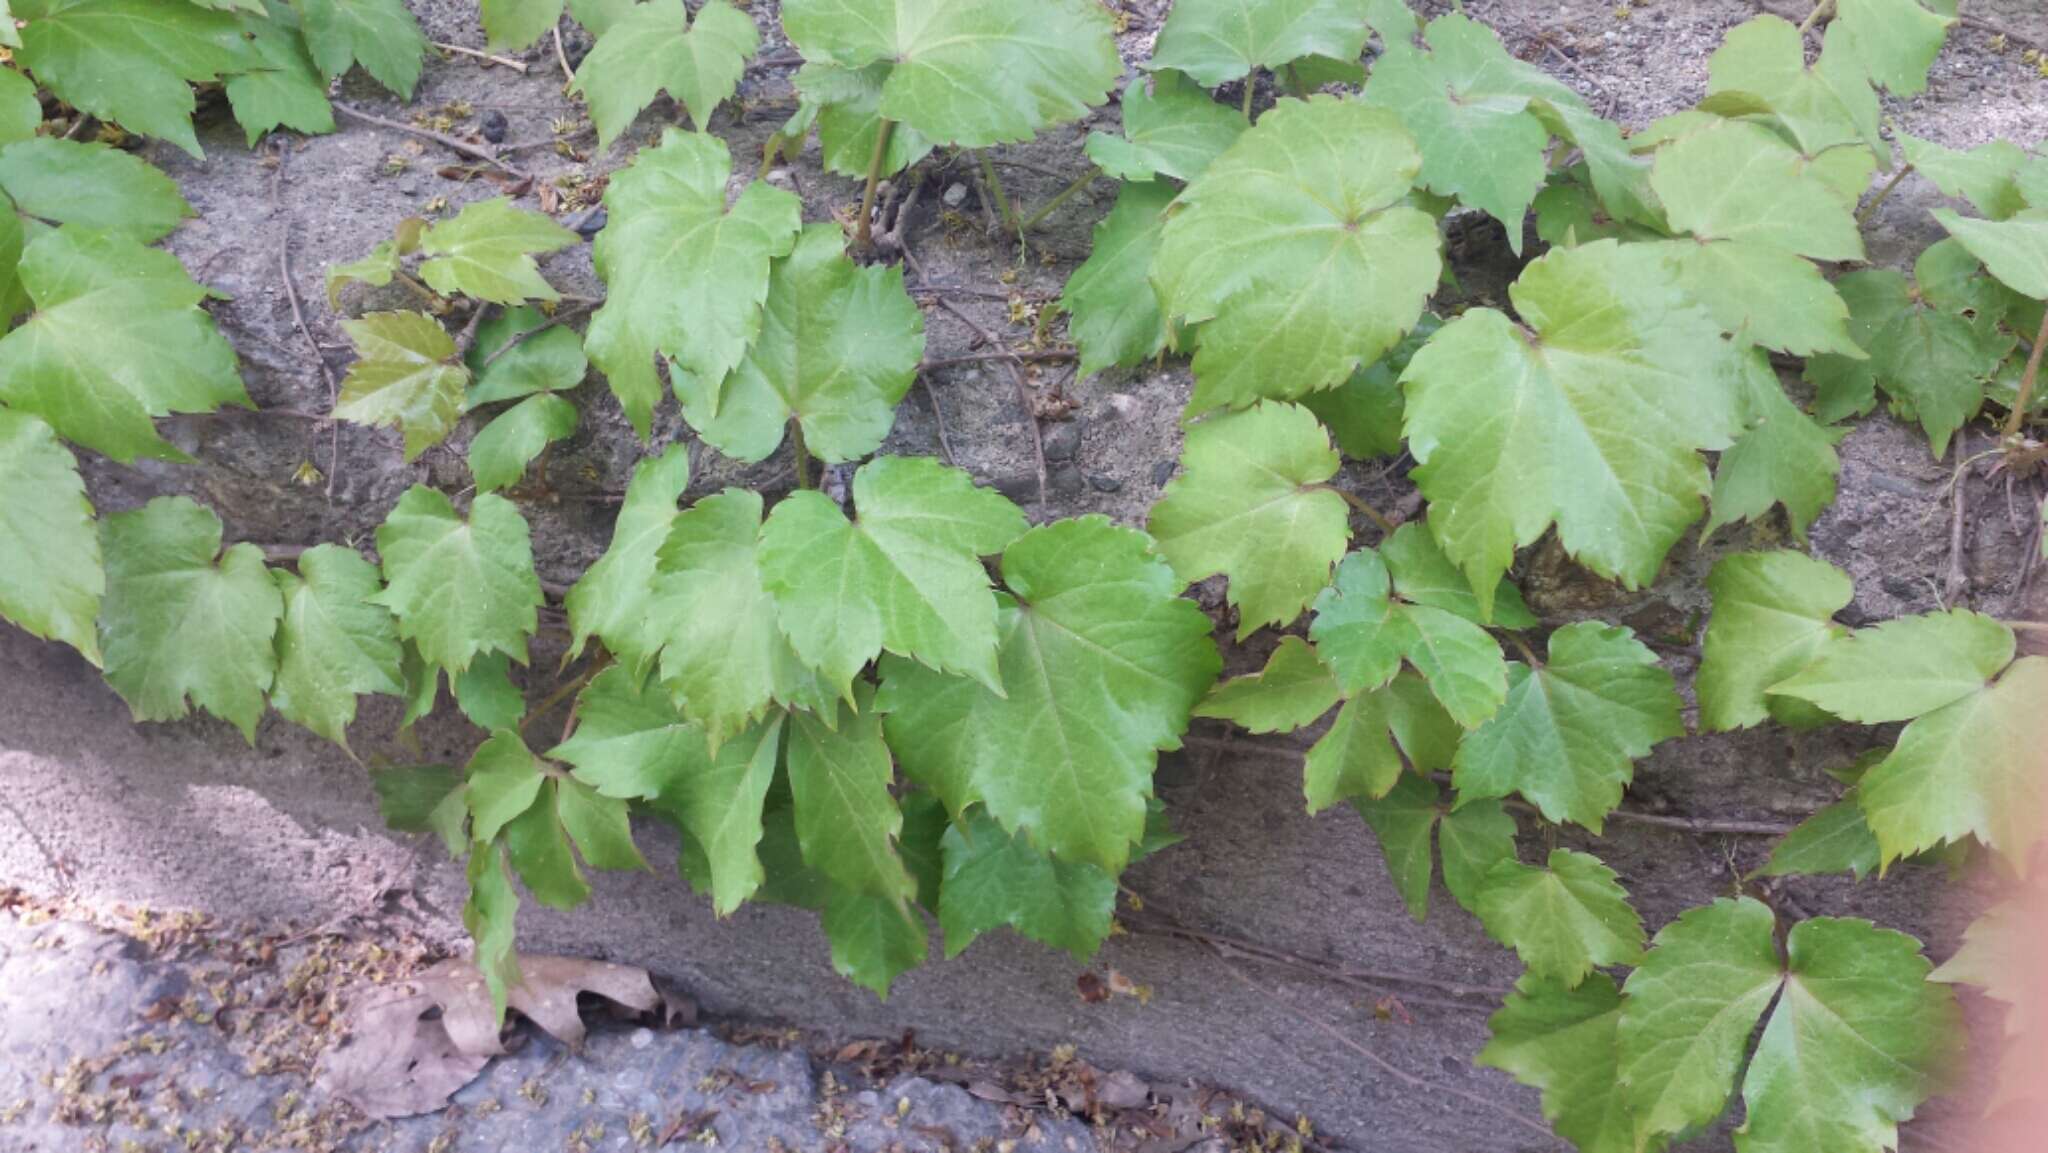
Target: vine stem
[
  {"x": 995, "y": 191},
  {"x": 565, "y": 691},
  {"x": 1372, "y": 514},
  {"x": 1814, "y": 17},
  {"x": 474, "y": 54},
  {"x": 2018, "y": 415},
  {"x": 561, "y": 316},
  {"x": 1051, "y": 206},
  {"x": 864, "y": 233},
  {"x": 1251, "y": 89},
  {"x": 1522, "y": 647},
  {"x": 800, "y": 452},
  {"x": 1883, "y": 194}
]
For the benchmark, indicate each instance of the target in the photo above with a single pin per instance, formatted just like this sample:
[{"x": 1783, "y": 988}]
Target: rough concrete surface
[{"x": 186, "y": 815}]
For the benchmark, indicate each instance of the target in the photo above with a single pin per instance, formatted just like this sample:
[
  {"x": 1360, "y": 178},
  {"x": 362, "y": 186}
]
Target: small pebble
[
  {"x": 493, "y": 126},
  {"x": 1106, "y": 483},
  {"x": 641, "y": 1038},
  {"x": 1068, "y": 481},
  {"x": 955, "y": 195},
  {"x": 1162, "y": 472},
  {"x": 1062, "y": 441}
]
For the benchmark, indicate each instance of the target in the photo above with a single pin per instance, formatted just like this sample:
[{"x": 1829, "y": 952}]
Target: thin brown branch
[
  {"x": 464, "y": 147},
  {"x": 1996, "y": 29},
  {"x": 2028, "y": 381},
  {"x": 487, "y": 57},
  {"x": 1040, "y": 356},
  {"x": 561, "y": 316},
  {"x": 1014, "y": 363},
  {"x": 939, "y": 418},
  {"x": 1958, "y": 580},
  {"x": 291, "y": 295},
  {"x": 562, "y": 57}
]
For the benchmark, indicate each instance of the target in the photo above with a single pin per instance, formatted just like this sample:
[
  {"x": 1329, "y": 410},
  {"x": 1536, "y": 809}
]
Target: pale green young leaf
[
  {"x": 1773, "y": 613},
  {"x": 381, "y": 35},
  {"x": 1570, "y": 731},
  {"x": 839, "y": 348},
  {"x": 1361, "y": 755},
  {"x": 1971, "y": 768},
  {"x": 1171, "y": 129},
  {"x": 1564, "y": 1042},
  {"x": 1594, "y": 424},
  {"x": 424, "y": 799},
  {"x": 1763, "y": 295},
  {"x": 1102, "y": 663},
  {"x": 1217, "y": 41},
  {"x": 1897, "y": 40},
  {"x": 1298, "y": 254},
  {"x": 503, "y": 781},
  {"x": 630, "y": 739},
  {"x": 1761, "y": 69},
  {"x": 995, "y": 878},
  {"x": 486, "y": 252},
  {"x": 657, "y": 47},
  {"x": 381, "y": 266},
  {"x": 92, "y": 185},
  {"x": 1987, "y": 176},
  {"x": 846, "y": 104},
  {"x": 540, "y": 853},
  {"x": 1112, "y": 313},
  {"x": 10, "y": 36},
  {"x": 969, "y": 73},
  {"x": 1423, "y": 575},
  {"x": 687, "y": 278},
  {"x": 499, "y": 454},
  {"x": 1784, "y": 458},
  {"x": 611, "y": 599},
  {"x": 459, "y": 588},
  {"x": 116, "y": 339},
  {"x": 549, "y": 360},
  {"x": 131, "y": 62},
  {"x": 182, "y": 620},
  {"x": 1834, "y": 840},
  {"x": 874, "y": 940},
  {"x": 1902, "y": 668},
  {"x": 1462, "y": 664},
  {"x": 1359, "y": 630},
  {"x": 1250, "y": 504},
  {"x": 1364, "y": 413},
  {"x": 405, "y": 375},
  {"x": 1562, "y": 920},
  {"x": 725, "y": 658},
  {"x": 2015, "y": 250},
  {"x": 1291, "y": 692},
  {"x": 491, "y": 915},
  {"x": 846, "y": 818},
  {"x": 486, "y": 695},
  {"x": 52, "y": 581},
  {"x": 717, "y": 800},
  {"x": 518, "y": 23},
  {"x": 1741, "y": 182},
  {"x": 282, "y": 89},
  {"x": 20, "y": 111},
  {"x": 333, "y": 642},
  {"x": 904, "y": 575}
]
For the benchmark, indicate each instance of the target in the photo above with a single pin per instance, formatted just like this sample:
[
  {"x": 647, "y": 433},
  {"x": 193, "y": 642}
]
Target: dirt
[{"x": 186, "y": 815}]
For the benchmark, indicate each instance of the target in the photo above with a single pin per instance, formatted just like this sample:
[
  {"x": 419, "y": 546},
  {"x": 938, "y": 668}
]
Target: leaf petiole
[{"x": 864, "y": 237}]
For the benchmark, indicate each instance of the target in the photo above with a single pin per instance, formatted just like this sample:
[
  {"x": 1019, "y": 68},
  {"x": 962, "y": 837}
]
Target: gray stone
[{"x": 1063, "y": 440}]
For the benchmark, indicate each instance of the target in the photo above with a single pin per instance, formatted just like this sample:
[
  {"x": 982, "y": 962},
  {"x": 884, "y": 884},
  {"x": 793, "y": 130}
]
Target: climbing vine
[{"x": 902, "y": 698}]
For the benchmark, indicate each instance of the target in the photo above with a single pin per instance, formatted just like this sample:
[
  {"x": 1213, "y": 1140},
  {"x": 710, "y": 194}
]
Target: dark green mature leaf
[
  {"x": 498, "y": 456},
  {"x": 1471, "y": 839},
  {"x": 486, "y": 252},
  {"x": 381, "y": 35},
  {"x": 546, "y": 361},
  {"x": 425, "y": 799},
  {"x": 1896, "y": 40},
  {"x": 1364, "y": 413},
  {"x": 540, "y": 853},
  {"x": 117, "y": 338},
  {"x": 333, "y": 642},
  {"x": 969, "y": 73},
  {"x": 1171, "y": 129},
  {"x": 718, "y": 799},
  {"x": 1216, "y": 41},
  {"x": 1251, "y": 504},
  {"x": 405, "y": 375},
  {"x": 874, "y": 940},
  {"x": 1291, "y": 692},
  {"x": 491, "y": 915},
  {"x": 1903, "y": 668},
  {"x": 630, "y": 738},
  {"x": 1563, "y": 1041},
  {"x": 904, "y": 575},
  {"x": 1571, "y": 729},
  {"x": 1102, "y": 663},
  {"x": 486, "y": 695},
  {"x": 459, "y": 588},
  {"x": 52, "y": 581},
  {"x": 657, "y": 46},
  {"x": 611, "y": 599},
  {"x": 687, "y": 278},
  {"x": 1834, "y": 840},
  {"x": 1361, "y": 755},
  {"x": 2015, "y": 250},
  {"x": 130, "y": 61},
  {"x": 839, "y": 348},
  {"x": 282, "y": 90},
  {"x": 1297, "y": 253},
  {"x": 1113, "y": 313},
  {"x": 995, "y": 878},
  {"x": 1773, "y": 613},
  {"x": 92, "y": 185},
  {"x": 1593, "y": 422},
  {"x": 846, "y": 818},
  {"x": 183, "y": 620},
  {"x": 1563, "y": 920},
  {"x": 1761, "y": 70}
]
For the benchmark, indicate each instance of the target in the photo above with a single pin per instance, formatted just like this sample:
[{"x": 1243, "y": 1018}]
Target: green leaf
[
  {"x": 405, "y": 375},
  {"x": 686, "y": 278},
  {"x": 1740, "y": 182},
  {"x": 1568, "y": 735},
  {"x": 717, "y": 800},
  {"x": 91, "y": 185},
  {"x": 725, "y": 659},
  {"x": 518, "y": 23},
  {"x": 422, "y": 686},
  {"x": 20, "y": 111},
  {"x": 1102, "y": 663},
  {"x": 382, "y": 265},
  {"x": 1291, "y": 692},
  {"x": 550, "y": 360},
  {"x": 52, "y": 582},
  {"x": 597, "y": 16},
  {"x": 1423, "y": 575},
  {"x": 540, "y": 853},
  {"x": 1171, "y": 129},
  {"x": 485, "y": 252},
  {"x": 630, "y": 738},
  {"x": 130, "y": 61},
  {"x": 1297, "y": 253},
  {"x": 600, "y": 827},
  {"x": 874, "y": 940},
  {"x": 1763, "y": 295},
  {"x": 117, "y": 338},
  {"x": 1217, "y": 41},
  {"x": 1897, "y": 40},
  {"x": 333, "y": 642},
  {"x": 994, "y": 878},
  {"x": 846, "y": 818},
  {"x": 1361, "y": 755},
  {"x": 486, "y": 695},
  {"x": 1364, "y": 413},
  {"x": 2015, "y": 250},
  {"x": 1563, "y": 1042},
  {"x": 1903, "y": 668},
  {"x": 1471, "y": 840},
  {"x": 1609, "y": 406},
  {"x": 969, "y": 73},
  {"x": 500, "y": 453},
  {"x": 1834, "y": 840},
  {"x": 1761, "y": 70},
  {"x": 459, "y": 588},
  {"x": 1968, "y": 768},
  {"x": 183, "y": 620},
  {"x": 283, "y": 90},
  {"x": 1251, "y": 504},
  {"x": 504, "y": 779},
  {"x": 9, "y": 34},
  {"x": 424, "y": 799},
  {"x": 1773, "y": 613},
  {"x": 656, "y": 47},
  {"x": 381, "y": 35},
  {"x": 1360, "y": 631},
  {"x": 1562, "y": 920},
  {"x": 1113, "y": 314},
  {"x": 904, "y": 575},
  {"x": 491, "y": 915},
  {"x": 1785, "y": 457},
  {"x": 846, "y": 103},
  {"x": 611, "y": 600},
  {"x": 1987, "y": 175},
  {"x": 839, "y": 349}
]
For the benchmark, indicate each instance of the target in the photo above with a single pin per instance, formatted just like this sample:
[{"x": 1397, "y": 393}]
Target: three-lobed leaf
[
  {"x": 459, "y": 587},
  {"x": 1773, "y": 613},
  {"x": 1562, "y": 920},
  {"x": 486, "y": 252},
  {"x": 1470, "y": 839},
  {"x": 91, "y": 185},
  {"x": 131, "y": 62},
  {"x": 405, "y": 375},
  {"x": 1903, "y": 668},
  {"x": 1563, "y": 1041},
  {"x": 1170, "y": 129},
  {"x": 1216, "y": 41},
  {"x": 995, "y": 878},
  {"x": 499, "y": 455},
  {"x": 611, "y": 600},
  {"x": 333, "y": 642},
  {"x": 657, "y": 46},
  {"x": 380, "y": 35}
]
